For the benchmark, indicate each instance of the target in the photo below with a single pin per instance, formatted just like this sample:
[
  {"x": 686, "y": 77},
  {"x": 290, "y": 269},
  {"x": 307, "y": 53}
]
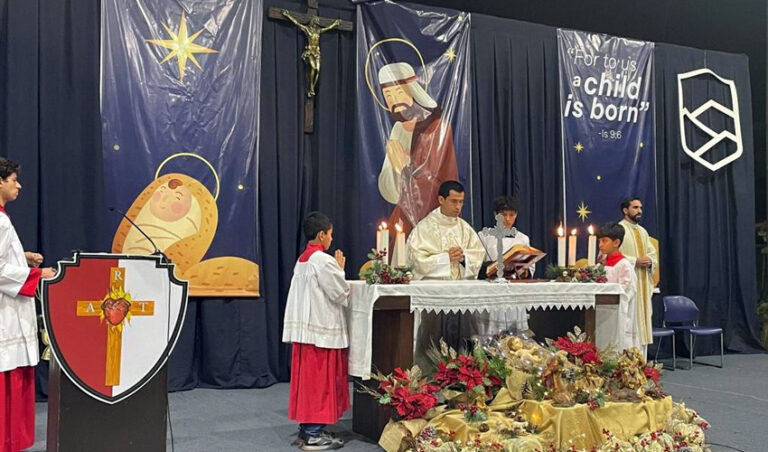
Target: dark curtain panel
[
  {"x": 707, "y": 219},
  {"x": 301, "y": 172},
  {"x": 516, "y": 127},
  {"x": 49, "y": 123}
]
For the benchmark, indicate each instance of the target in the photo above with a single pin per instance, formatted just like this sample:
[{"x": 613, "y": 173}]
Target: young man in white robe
[
  {"x": 641, "y": 253},
  {"x": 19, "y": 275},
  {"x": 497, "y": 321},
  {"x": 617, "y": 329},
  {"x": 443, "y": 246}
]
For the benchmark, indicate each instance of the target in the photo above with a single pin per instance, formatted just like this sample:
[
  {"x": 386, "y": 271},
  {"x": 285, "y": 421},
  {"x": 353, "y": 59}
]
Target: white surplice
[
  {"x": 18, "y": 321},
  {"x": 619, "y": 329}
]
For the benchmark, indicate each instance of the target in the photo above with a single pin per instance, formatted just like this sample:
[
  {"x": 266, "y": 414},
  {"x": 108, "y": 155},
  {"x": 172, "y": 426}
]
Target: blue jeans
[{"x": 311, "y": 430}]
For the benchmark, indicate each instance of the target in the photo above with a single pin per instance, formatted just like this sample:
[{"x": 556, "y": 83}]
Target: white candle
[
  {"x": 382, "y": 240},
  {"x": 560, "y": 247},
  {"x": 399, "y": 254},
  {"x": 592, "y": 249},
  {"x": 572, "y": 248}
]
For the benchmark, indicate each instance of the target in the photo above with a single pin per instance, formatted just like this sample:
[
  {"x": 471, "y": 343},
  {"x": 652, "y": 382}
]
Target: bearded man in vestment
[
  {"x": 641, "y": 253},
  {"x": 443, "y": 246},
  {"x": 420, "y": 154}
]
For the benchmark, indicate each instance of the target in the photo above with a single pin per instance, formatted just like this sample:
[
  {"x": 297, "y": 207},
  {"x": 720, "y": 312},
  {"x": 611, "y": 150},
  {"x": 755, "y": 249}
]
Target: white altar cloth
[{"x": 458, "y": 296}]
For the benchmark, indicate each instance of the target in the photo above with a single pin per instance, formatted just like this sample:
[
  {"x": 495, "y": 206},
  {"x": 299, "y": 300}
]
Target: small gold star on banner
[
  {"x": 641, "y": 144},
  {"x": 583, "y": 212},
  {"x": 182, "y": 46},
  {"x": 579, "y": 147},
  {"x": 450, "y": 54}
]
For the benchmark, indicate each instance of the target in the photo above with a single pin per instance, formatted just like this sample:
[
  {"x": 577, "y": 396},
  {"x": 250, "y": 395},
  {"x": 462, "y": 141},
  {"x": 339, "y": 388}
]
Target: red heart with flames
[{"x": 115, "y": 310}]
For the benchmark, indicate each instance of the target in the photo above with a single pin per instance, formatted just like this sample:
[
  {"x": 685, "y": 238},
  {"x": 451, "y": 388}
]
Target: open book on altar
[{"x": 516, "y": 260}]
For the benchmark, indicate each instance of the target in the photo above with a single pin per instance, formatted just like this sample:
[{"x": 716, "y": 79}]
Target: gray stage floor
[{"x": 734, "y": 400}]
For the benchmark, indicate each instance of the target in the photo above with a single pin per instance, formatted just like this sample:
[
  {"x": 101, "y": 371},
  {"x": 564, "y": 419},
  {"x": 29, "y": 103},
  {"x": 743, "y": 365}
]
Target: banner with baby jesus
[{"x": 180, "y": 98}]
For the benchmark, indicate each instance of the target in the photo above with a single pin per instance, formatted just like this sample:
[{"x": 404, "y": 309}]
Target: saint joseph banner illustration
[
  {"x": 606, "y": 102},
  {"x": 414, "y": 109},
  {"x": 180, "y": 99}
]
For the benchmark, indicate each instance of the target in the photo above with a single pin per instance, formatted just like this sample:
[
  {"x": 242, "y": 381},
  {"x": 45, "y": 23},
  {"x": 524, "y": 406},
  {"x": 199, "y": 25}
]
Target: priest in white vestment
[
  {"x": 641, "y": 253},
  {"x": 443, "y": 246},
  {"x": 490, "y": 323}
]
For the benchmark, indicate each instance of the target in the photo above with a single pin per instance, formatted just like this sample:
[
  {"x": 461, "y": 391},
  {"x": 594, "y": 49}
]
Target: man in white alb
[{"x": 641, "y": 253}]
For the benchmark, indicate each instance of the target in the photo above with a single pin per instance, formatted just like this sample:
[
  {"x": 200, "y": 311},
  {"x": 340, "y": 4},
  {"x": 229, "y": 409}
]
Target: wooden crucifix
[{"x": 313, "y": 26}]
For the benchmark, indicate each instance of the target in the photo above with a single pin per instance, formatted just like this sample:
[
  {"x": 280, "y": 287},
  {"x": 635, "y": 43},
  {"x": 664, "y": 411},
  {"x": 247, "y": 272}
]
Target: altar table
[{"x": 380, "y": 321}]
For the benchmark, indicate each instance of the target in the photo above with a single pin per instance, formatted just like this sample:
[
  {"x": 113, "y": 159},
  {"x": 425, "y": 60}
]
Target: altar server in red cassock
[
  {"x": 316, "y": 325},
  {"x": 19, "y": 276}
]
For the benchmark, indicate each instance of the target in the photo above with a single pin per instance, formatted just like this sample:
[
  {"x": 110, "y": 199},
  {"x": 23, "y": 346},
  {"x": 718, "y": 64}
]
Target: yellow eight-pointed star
[
  {"x": 579, "y": 147},
  {"x": 450, "y": 54},
  {"x": 182, "y": 46},
  {"x": 583, "y": 212}
]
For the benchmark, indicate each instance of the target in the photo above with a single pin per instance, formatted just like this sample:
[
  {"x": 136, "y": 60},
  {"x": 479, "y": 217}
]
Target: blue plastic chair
[
  {"x": 661, "y": 333},
  {"x": 682, "y": 310}
]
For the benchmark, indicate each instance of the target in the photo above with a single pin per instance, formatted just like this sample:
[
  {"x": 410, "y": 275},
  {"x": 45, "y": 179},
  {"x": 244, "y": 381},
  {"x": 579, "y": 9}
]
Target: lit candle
[
  {"x": 560, "y": 246},
  {"x": 572, "y": 248},
  {"x": 592, "y": 250},
  {"x": 398, "y": 257},
  {"x": 382, "y": 240}
]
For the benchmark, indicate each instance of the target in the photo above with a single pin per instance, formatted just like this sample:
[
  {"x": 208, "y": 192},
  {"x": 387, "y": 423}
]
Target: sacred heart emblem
[
  {"x": 103, "y": 354},
  {"x": 115, "y": 310}
]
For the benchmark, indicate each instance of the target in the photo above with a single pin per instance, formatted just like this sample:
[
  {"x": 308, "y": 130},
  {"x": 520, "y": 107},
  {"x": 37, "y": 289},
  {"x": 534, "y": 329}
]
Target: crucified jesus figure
[{"x": 311, "y": 54}]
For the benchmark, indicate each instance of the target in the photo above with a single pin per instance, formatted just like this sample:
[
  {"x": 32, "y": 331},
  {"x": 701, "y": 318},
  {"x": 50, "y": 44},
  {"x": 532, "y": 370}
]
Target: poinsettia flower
[
  {"x": 471, "y": 377},
  {"x": 400, "y": 375},
  {"x": 446, "y": 376},
  {"x": 652, "y": 374}
]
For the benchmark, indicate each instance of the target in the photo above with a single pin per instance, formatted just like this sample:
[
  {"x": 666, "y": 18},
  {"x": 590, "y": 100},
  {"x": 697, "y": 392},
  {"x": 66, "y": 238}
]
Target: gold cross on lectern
[{"x": 115, "y": 308}]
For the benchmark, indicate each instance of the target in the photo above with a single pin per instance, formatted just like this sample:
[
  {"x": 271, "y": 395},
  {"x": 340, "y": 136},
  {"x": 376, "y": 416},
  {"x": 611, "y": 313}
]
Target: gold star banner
[
  {"x": 182, "y": 46},
  {"x": 179, "y": 102}
]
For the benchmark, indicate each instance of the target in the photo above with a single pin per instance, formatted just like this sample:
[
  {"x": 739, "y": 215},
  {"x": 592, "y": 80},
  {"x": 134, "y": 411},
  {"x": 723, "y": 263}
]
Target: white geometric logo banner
[{"x": 715, "y": 137}]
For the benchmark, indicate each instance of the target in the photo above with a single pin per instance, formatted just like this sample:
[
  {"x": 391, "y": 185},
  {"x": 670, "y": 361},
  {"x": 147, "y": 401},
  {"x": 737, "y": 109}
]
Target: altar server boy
[
  {"x": 620, "y": 330},
  {"x": 315, "y": 323}
]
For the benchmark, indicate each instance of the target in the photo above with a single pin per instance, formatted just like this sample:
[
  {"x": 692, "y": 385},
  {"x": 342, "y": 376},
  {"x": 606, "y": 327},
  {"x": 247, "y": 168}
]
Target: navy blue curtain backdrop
[
  {"x": 707, "y": 219},
  {"x": 49, "y": 122}
]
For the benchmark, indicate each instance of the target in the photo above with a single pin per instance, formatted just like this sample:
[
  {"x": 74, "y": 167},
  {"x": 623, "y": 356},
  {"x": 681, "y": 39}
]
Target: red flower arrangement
[
  {"x": 586, "y": 352},
  {"x": 652, "y": 373},
  {"x": 466, "y": 373},
  {"x": 410, "y": 395}
]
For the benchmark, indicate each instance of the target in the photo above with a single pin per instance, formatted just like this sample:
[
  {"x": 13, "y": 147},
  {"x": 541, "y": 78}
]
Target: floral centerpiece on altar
[
  {"x": 377, "y": 271},
  {"x": 588, "y": 274}
]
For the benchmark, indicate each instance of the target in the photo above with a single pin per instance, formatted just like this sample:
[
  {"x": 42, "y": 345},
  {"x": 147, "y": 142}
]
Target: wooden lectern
[
  {"x": 112, "y": 321},
  {"x": 77, "y": 422}
]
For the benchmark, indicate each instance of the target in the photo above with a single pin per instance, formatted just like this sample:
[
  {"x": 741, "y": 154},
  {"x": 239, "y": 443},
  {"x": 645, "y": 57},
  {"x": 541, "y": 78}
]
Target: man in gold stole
[{"x": 641, "y": 253}]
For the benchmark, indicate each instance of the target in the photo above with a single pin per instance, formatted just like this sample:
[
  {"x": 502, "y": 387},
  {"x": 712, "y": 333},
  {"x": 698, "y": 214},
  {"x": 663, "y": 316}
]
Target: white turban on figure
[{"x": 403, "y": 74}]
